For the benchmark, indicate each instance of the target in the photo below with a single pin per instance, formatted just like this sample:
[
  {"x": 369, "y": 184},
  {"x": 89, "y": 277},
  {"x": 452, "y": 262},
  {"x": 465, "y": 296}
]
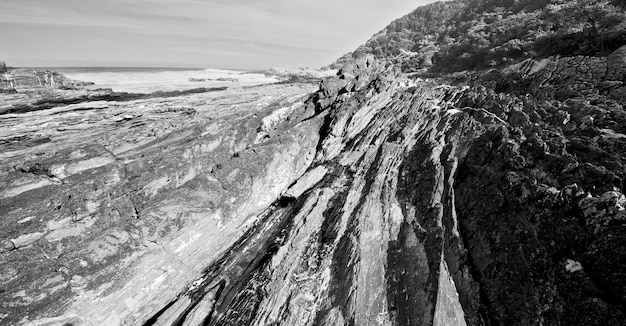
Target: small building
[{"x": 3, "y": 66}]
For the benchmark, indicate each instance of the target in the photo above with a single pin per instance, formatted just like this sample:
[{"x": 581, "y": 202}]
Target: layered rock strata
[
  {"x": 27, "y": 79},
  {"x": 105, "y": 205},
  {"x": 376, "y": 200}
]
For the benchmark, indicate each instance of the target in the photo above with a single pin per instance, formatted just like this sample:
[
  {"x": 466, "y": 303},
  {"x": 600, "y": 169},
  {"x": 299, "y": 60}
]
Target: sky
[{"x": 236, "y": 34}]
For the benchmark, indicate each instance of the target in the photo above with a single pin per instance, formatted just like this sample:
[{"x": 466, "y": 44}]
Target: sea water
[{"x": 148, "y": 80}]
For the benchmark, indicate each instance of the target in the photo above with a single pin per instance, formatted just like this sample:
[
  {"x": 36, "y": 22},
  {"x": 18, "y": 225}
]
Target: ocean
[{"x": 147, "y": 80}]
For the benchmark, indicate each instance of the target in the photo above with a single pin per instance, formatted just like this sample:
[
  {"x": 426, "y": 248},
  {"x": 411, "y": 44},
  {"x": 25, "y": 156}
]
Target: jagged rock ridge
[
  {"x": 421, "y": 204},
  {"x": 380, "y": 198},
  {"x": 436, "y": 205}
]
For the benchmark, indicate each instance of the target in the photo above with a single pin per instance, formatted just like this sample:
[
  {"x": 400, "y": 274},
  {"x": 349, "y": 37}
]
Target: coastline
[
  {"x": 59, "y": 150},
  {"x": 230, "y": 206},
  {"x": 24, "y": 90}
]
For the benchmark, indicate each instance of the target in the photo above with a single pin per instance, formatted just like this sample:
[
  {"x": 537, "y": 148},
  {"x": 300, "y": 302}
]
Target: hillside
[
  {"x": 477, "y": 34},
  {"x": 455, "y": 171}
]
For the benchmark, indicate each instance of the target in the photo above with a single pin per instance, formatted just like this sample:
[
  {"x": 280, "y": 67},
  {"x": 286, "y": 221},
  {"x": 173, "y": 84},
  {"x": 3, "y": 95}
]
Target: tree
[
  {"x": 594, "y": 17},
  {"x": 619, "y": 3}
]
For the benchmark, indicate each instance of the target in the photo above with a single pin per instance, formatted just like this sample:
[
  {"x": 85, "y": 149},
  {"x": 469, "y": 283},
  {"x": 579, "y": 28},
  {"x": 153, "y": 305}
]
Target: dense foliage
[{"x": 473, "y": 34}]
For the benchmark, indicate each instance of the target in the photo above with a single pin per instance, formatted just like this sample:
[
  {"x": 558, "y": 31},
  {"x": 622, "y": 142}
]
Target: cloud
[{"x": 297, "y": 32}]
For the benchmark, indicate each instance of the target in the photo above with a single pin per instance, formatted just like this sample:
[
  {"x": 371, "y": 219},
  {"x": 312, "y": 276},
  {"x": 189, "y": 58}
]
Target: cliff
[{"x": 494, "y": 197}]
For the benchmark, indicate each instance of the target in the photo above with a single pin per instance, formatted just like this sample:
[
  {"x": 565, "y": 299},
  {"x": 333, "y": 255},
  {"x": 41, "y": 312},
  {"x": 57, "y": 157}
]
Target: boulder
[{"x": 233, "y": 80}]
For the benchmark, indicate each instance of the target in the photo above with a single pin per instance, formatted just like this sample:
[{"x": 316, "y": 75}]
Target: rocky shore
[
  {"x": 28, "y": 80},
  {"x": 377, "y": 199},
  {"x": 24, "y": 90},
  {"x": 72, "y": 226},
  {"x": 400, "y": 190}
]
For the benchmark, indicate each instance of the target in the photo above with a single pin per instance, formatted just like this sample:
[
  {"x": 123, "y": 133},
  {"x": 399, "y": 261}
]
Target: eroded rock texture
[
  {"x": 109, "y": 209},
  {"x": 376, "y": 200}
]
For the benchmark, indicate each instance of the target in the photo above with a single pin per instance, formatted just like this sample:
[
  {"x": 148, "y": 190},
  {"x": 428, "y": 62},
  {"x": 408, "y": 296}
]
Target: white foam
[{"x": 152, "y": 81}]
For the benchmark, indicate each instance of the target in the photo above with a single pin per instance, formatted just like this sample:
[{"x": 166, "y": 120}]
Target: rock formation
[
  {"x": 376, "y": 200},
  {"x": 27, "y": 79},
  {"x": 290, "y": 75},
  {"x": 99, "y": 198},
  {"x": 3, "y": 66},
  {"x": 381, "y": 198},
  {"x": 27, "y": 90},
  {"x": 234, "y": 80}
]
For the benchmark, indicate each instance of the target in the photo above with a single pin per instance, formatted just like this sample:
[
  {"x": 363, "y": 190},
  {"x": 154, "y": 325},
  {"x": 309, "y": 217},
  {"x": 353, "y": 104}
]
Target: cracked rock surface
[
  {"x": 375, "y": 200},
  {"x": 109, "y": 209}
]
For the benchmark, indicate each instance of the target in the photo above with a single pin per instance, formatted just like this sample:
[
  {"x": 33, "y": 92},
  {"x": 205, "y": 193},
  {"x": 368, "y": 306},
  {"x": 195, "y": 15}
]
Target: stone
[
  {"x": 6, "y": 245},
  {"x": 26, "y": 239},
  {"x": 573, "y": 266},
  {"x": 307, "y": 181},
  {"x": 78, "y": 281},
  {"x": 232, "y": 80}
]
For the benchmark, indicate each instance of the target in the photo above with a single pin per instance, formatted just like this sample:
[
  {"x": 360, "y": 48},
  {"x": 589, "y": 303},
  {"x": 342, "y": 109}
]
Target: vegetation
[{"x": 476, "y": 34}]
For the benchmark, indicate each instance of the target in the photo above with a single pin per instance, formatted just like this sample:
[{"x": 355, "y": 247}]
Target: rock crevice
[{"x": 376, "y": 200}]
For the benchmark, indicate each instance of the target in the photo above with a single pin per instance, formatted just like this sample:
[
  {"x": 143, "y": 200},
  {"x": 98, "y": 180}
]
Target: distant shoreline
[
  {"x": 132, "y": 69},
  {"x": 112, "y": 69}
]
